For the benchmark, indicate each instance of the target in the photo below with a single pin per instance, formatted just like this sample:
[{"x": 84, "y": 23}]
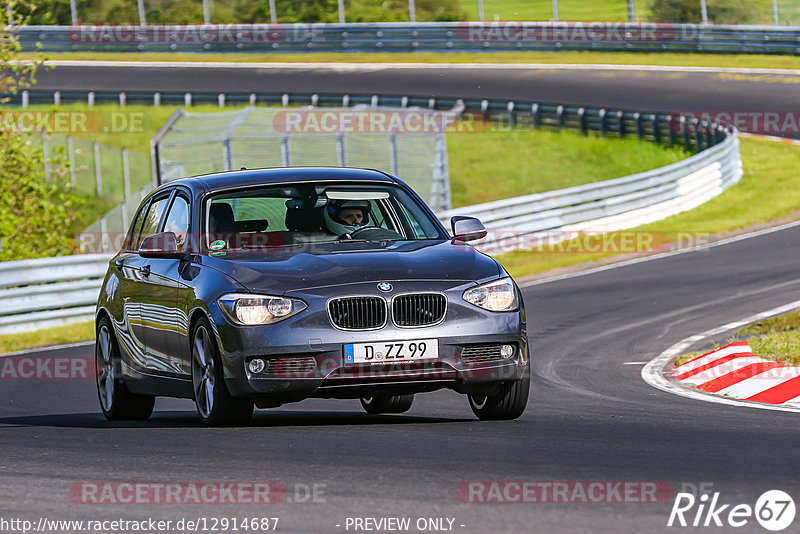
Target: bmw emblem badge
[{"x": 385, "y": 286}]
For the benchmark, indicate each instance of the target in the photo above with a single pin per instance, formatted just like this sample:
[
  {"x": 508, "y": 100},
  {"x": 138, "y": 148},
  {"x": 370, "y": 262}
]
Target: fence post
[
  {"x": 603, "y": 125},
  {"x": 71, "y": 158},
  {"x": 623, "y": 130},
  {"x": 537, "y": 117},
  {"x": 286, "y": 154},
  {"x": 26, "y": 98},
  {"x": 341, "y": 150},
  {"x": 98, "y": 175},
  {"x": 560, "y": 116},
  {"x": 56, "y": 98},
  {"x": 393, "y": 160},
  {"x": 126, "y": 175},
  {"x": 90, "y": 99},
  {"x": 582, "y": 120},
  {"x": 156, "y": 99}
]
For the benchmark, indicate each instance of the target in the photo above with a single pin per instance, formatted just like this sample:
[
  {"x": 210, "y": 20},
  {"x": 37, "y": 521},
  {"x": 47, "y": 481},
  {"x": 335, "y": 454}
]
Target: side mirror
[
  {"x": 467, "y": 228},
  {"x": 163, "y": 245}
]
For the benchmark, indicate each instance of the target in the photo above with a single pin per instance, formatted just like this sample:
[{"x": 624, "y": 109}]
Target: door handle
[{"x": 146, "y": 270}]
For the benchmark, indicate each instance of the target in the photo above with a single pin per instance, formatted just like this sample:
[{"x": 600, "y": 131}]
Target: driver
[{"x": 346, "y": 216}]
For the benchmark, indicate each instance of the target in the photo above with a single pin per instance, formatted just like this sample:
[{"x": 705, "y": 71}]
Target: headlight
[
  {"x": 499, "y": 295},
  {"x": 250, "y": 310}
]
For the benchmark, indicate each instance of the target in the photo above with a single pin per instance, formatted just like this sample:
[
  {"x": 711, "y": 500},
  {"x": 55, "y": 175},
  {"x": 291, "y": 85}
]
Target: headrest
[{"x": 222, "y": 218}]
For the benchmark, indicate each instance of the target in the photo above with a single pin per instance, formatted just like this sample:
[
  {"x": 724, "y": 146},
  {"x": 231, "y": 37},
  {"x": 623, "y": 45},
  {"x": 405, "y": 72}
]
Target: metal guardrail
[
  {"x": 548, "y": 218},
  {"x": 55, "y": 291},
  {"x": 411, "y": 37},
  {"x": 49, "y": 292}
]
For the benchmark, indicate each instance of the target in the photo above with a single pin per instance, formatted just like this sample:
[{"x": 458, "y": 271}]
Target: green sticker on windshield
[
  {"x": 216, "y": 245},
  {"x": 218, "y": 253}
]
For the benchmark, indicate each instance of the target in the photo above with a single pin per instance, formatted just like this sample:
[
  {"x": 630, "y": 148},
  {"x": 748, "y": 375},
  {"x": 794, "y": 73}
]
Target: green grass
[
  {"x": 49, "y": 336},
  {"x": 777, "y": 338},
  {"x": 589, "y": 58},
  {"x": 770, "y": 189},
  {"x": 523, "y": 162}
]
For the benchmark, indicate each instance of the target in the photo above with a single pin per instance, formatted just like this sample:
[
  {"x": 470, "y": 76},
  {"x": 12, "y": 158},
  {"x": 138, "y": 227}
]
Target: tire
[
  {"x": 378, "y": 404},
  {"x": 508, "y": 403},
  {"x": 117, "y": 403},
  {"x": 214, "y": 403}
]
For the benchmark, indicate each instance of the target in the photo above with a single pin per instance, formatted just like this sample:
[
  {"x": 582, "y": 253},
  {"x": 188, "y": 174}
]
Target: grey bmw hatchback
[{"x": 256, "y": 288}]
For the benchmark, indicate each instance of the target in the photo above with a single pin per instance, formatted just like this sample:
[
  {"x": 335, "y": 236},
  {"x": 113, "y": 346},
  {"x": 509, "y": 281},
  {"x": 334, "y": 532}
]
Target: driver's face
[{"x": 351, "y": 216}]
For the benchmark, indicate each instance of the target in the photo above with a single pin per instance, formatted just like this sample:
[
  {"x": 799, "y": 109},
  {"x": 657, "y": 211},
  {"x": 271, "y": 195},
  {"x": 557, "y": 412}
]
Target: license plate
[{"x": 392, "y": 351}]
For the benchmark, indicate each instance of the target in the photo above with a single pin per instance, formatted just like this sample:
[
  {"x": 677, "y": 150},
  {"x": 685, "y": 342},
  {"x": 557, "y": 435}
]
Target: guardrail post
[
  {"x": 26, "y": 96},
  {"x": 673, "y": 135},
  {"x": 221, "y": 100},
  {"x": 582, "y": 120},
  {"x": 639, "y": 126},
  {"x": 560, "y": 117},
  {"x": 314, "y": 100},
  {"x": 623, "y": 130},
  {"x": 253, "y": 98},
  {"x": 90, "y": 99},
  {"x": 122, "y": 99},
  {"x": 98, "y": 176},
  {"x": 656, "y": 125},
  {"x": 346, "y": 101},
  {"x": 285, "y": 100},
  {"x": 374, "y": 101},
  {"x": 404, "y": 102},
  {"x": 537, "y": 117},
  {"x": 687, "y": 140},
  {"x": 710, "y": 141},
  {"x": 156, "y": 99},
  {"x": 698, "y": 134},
  {"x": 187, "y": 99},
  {"x": 71, "y": 159},
  {"x": 603, "y": 125},
  {"x": 512, "y": 117},
  {"x": 56, "y": 98}
]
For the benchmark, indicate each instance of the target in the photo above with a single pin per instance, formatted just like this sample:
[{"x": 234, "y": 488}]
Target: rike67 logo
[{"x": 774, "y": 510}]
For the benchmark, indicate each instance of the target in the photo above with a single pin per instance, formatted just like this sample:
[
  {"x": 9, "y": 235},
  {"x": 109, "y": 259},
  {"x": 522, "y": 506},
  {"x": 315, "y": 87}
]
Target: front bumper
[{"x": 305, "y": 353}]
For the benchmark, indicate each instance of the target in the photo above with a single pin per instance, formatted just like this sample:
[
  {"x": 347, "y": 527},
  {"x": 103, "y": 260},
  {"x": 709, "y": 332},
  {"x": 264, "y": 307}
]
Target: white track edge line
[{"x": 652, "y": 373}]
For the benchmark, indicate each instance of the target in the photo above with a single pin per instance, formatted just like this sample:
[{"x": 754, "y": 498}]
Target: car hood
[{"x": 291, "y": 269}]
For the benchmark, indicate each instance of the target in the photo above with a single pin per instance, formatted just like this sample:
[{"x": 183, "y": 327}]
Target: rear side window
[
  {"x": 178, "y": 220},
  {"x": 151, "y": 220}
]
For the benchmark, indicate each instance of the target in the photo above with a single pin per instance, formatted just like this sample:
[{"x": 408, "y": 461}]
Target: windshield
[{"x": 307, "y": 214}]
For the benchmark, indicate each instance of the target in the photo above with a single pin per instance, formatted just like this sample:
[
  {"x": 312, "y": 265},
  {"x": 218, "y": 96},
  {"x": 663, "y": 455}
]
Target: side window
[
  {"x": 133, "y": 233},
  {"x": 178, "y": 220},
  {"x": 154, "y": 215}
]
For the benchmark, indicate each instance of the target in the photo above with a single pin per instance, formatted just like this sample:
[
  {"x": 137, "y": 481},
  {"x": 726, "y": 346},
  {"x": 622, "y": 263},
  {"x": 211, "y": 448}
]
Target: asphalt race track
[
  {"x": 590, "y": 416},
  {"x": 666, "y": 90}
]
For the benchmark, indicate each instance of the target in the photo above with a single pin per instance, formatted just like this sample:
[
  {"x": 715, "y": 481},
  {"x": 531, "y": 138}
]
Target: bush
[
  {"x": 719, "y": 11},
  {"x": 36, "y": 217}
]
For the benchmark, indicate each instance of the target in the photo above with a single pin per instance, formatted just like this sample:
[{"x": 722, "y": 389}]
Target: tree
[
  {"x": 689, "y": 11},
  {"x": 34, "y": 214}
]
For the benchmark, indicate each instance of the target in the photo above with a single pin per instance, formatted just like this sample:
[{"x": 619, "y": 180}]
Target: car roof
[{"x": 248, "y": 177}]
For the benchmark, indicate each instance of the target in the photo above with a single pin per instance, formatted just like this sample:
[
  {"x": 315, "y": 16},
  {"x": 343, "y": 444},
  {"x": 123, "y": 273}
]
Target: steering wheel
[{"x": 380, "y": 233}]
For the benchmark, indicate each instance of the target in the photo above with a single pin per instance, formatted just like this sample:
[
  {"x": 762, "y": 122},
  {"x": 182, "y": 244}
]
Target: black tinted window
[{"x": 151, "y": 220}]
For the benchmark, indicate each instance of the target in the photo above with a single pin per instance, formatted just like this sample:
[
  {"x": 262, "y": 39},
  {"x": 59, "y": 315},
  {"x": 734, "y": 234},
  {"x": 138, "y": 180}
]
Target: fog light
[
  {"x": 256, "y": 365},
  {"x": 506, "y": 351}
]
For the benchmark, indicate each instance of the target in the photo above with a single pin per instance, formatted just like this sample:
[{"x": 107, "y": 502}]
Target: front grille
[
  {"x": 419, "y": 310},
  {"x": 481, "y": 354},
  {"x": 290, "y": 366},
  {"x": 358, "y": 313}
]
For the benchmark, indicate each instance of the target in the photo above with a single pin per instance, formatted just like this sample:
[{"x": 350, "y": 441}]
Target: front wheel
[
  {"x": 117, "y": 403},
  {"x": 508, "y": 403},
  {"x": 214, "y": 403},
  {"x": 378, "y": 404}
]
